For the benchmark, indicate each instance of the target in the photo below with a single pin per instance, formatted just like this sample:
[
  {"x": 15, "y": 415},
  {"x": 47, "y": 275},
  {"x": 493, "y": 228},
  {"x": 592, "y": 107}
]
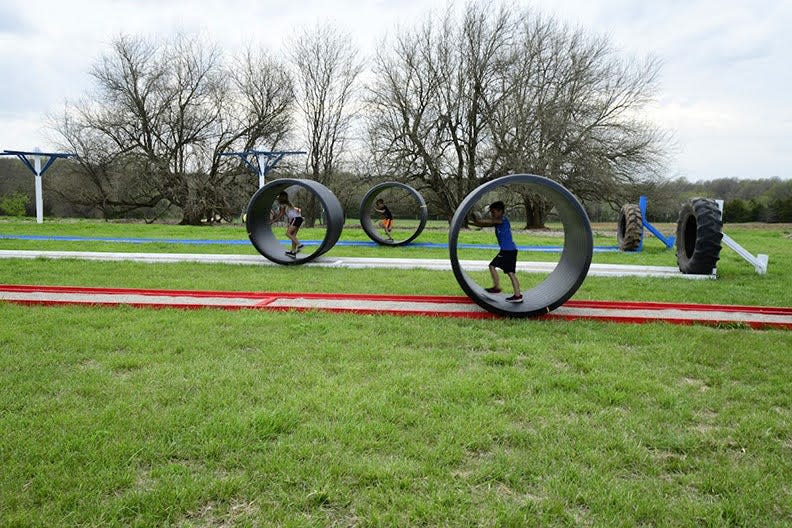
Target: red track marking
[{"x": 421, "y": 305}]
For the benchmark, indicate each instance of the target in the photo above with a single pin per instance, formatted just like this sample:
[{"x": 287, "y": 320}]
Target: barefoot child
[
  {"x": 506, "y": 259},
  {"x": 387, "y": 218},
  {"x": 293, "y": 222}
]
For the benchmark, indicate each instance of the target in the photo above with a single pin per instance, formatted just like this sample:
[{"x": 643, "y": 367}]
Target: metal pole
[
  {"x": 39, "y": 197},
  {"x": 759, "y": 262},
  {"x": 262, "y": 166},
  {"x": 668, "y": 241}
]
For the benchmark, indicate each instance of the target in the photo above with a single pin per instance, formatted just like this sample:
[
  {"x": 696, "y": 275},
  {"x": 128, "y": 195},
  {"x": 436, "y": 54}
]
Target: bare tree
[
  {"x": 96, "y": 178},
  {"x": 458, "y": 102},
  {"x": 430, "y": 98},
  {"x": 571, "y": 115},
  {"x": 169, "y": 109},
  {"x": 327, "y": 67}
]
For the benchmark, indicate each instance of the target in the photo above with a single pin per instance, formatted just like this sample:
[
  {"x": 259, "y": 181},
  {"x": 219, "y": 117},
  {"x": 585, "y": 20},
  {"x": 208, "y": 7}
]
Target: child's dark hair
[
  {"x": 498, "y": 206},
  {"x": 379, "y": 201},
  {"x": 283, "y": 198}
]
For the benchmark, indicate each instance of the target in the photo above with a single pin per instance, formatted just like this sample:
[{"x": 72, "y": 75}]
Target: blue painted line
[
  {"x": 127, "y": 240},
  {"x": 434, "y": 245}
]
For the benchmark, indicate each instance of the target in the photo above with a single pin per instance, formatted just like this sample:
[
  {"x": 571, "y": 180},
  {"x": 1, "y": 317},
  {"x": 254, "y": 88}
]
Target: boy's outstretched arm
[{"x": 483, "y": 222}]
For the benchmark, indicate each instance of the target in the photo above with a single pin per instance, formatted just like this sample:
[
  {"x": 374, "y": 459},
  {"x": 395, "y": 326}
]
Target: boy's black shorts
[
  {"x": 296, "y": 221},
  {"x": 506, "y": 260}
]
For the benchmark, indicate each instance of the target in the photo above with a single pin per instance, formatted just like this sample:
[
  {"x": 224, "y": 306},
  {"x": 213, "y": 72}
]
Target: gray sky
[{"x": 724, "y": 85}]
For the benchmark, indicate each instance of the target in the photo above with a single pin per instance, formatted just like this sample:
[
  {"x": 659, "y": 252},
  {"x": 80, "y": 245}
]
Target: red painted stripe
[
  {"x": 239, "y": 294},
  {"x": 361, "y": 311},
  {"x": 269, "y": 297},
  {"x": 671, "y": 320},
  {"x": 648, "y": 305},
  {"x": 131, "y": 291},
  {"x": 110, "y": 304},
  {"x": 266, "y": 301},
  {"x": 380, "y": 311},
  {"x": 626, "y": 305},
  {"x": 464, "y": 315}
]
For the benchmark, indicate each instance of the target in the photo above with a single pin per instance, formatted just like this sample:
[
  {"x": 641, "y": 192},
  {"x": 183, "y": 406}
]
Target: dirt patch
[
  {"x": 697, "y": 383},
  {"x": 219, "y": 515}
]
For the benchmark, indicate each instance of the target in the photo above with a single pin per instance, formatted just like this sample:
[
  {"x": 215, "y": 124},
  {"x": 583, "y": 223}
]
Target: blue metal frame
[
  {"x": 273, "y": 158},
  {"x": 668, "y": 241},
  {"x": 23, "y": 157}
]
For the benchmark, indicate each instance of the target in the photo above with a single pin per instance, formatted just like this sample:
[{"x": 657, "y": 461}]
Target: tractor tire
[
  {"x": 629, "y": 231},
  {"x": 698, "y": 236}
]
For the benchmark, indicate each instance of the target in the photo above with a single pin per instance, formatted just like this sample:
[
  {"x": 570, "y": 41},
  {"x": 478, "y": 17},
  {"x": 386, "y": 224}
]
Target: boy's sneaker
[
  {"x": 300, "y": 247},
  {"x": 292, "y": 254},
  {"x": 492, "y": 290},
  {"x": 515, "y": 299}
]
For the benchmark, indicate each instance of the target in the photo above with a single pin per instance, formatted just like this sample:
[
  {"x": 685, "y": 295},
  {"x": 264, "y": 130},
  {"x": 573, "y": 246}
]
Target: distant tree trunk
[
  {"x": 535, "y": 211},
  {"x": 191, "y": 217},
  {"x": 310, "y": 210}
]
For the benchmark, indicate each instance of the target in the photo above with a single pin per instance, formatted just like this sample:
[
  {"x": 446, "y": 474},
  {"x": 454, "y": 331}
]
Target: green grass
[
  {"x": 738, "y": 282},
  {"x": 133, "y": 417}
]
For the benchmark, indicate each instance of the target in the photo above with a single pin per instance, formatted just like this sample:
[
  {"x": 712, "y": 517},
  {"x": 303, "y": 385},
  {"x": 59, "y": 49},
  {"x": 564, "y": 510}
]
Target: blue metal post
[{"x": 668, "y": 241}]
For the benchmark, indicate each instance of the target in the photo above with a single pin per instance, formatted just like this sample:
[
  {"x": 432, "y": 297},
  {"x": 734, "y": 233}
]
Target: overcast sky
[{"x": 724, "y": 86}]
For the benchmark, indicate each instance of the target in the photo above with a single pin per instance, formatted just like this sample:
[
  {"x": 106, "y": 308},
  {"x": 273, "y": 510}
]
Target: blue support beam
[
  {"x": 23, "y": 157},
  {"x": 667, "y": 240},
  {"x": 265, "y": 160},
  {"x": 37, "y": 170}
]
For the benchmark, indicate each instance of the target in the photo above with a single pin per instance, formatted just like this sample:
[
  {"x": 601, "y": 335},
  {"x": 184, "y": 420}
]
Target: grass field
[{"x": 133, "y": 417}]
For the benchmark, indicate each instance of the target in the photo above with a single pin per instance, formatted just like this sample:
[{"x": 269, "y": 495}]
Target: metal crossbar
[
  {"x": 759, "y": 262},
  {"x": 37, "y": 170},
  {"x": 265, "y": 160}
]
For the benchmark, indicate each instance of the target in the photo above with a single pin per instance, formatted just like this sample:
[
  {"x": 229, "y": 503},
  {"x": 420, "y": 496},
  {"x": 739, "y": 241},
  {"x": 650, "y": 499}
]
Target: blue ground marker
[{"x": 208, "y": 242}]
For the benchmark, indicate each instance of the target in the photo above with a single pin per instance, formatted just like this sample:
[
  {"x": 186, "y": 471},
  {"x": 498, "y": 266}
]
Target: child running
[
  {"x": 387, "y": 218},
  {"x": 293, "y": 222},
  {"x": 506, "y": 259}
]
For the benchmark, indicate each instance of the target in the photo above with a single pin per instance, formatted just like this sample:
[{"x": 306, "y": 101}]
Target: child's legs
[
  {"x": 291, "y": 232},
  {"x": 515, "y": 283},
  {"x": 495, "y": 277}
]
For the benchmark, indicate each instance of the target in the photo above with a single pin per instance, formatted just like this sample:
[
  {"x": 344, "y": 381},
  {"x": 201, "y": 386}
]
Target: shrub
[{"x": 14, "y": 204}]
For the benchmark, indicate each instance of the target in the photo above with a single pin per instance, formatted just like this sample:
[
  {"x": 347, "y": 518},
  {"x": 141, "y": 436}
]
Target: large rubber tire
[
  {"x": 368, "y": 225},
  {"x": 698, "y": 237},
  {"x": 259, "y": 228},
  {"x": 568, "y": 274},
  {"x": 629, "y": 230}
]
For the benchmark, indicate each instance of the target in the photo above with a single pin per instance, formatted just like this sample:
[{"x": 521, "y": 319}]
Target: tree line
[
  {"x": 457, "y": 100},
  {"x": 762, "y": 200}
]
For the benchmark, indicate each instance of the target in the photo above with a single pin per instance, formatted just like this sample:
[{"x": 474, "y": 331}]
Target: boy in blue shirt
[{"x": 506, "y": 259}]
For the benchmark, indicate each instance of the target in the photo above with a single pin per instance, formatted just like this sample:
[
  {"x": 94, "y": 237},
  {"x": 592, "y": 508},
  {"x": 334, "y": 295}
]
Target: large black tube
[
  {"x": 568, "y": 274},
  {"x": 259, "y": 226},
  {"x": 370, "y": 228}
]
